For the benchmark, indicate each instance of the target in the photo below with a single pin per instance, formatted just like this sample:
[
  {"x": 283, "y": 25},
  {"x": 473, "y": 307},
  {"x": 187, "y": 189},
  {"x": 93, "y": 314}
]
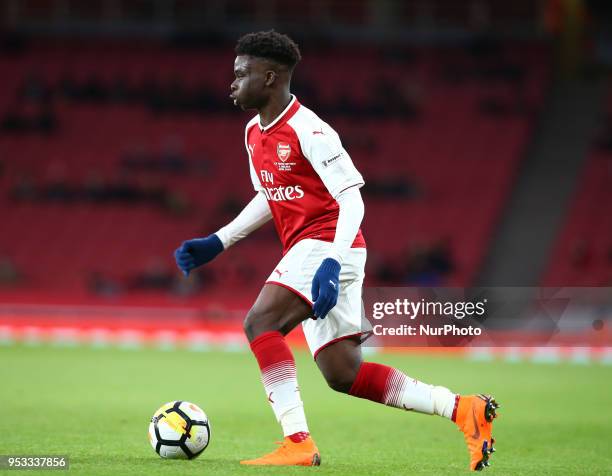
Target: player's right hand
[
  {"x": 325, "y": 288},
  {"x": 196, "y": 252}
]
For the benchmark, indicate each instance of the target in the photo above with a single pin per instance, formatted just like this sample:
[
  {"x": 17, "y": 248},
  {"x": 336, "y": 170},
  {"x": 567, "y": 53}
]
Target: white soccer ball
[{"x": 179, "y": 430}]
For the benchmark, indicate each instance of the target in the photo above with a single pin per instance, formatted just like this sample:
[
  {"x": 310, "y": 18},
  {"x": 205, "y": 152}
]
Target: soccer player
[{"x": 306, "y": 182}]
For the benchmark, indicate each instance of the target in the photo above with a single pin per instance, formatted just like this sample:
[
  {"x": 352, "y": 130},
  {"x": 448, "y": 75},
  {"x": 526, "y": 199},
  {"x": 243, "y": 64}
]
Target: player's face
[{"x": 248, "y": 90}]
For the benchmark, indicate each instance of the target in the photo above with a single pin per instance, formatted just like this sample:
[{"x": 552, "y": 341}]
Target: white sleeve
[
  {"x": 255, "y": 214},
  {"x": 322, "y": 147},
  {"x": 349, "y": 219},
  {"x": 254, "y": 178}
]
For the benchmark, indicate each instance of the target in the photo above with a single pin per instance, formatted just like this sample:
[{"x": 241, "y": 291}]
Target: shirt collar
[{"x": 283, "y": 116}]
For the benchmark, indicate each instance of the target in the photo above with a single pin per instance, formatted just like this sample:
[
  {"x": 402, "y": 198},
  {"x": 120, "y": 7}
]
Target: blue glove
[
  {"x": 194, "y": 253},
  {"x": 325, "y": 287}
]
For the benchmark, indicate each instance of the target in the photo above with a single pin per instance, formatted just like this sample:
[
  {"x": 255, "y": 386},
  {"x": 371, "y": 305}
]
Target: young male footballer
[{"x": 306, "y": 182}]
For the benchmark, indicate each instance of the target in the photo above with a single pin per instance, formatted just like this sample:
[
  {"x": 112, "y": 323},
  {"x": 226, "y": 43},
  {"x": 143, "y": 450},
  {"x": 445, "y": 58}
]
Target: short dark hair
[{"x": 270, "y": 45}]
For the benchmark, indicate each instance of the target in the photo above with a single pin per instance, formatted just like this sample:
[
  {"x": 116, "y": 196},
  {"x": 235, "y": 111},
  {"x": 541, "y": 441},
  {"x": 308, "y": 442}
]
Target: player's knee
[
  {"x": 249, "y": 325},
  {"x": 341, "y": 383},
  {"x": 256, "y": 323}
]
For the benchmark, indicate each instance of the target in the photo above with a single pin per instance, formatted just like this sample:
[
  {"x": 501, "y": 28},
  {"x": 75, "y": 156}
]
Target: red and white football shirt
[{"x": 299, "y": 163}]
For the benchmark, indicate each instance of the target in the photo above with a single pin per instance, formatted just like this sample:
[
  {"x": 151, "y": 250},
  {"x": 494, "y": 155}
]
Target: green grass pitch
[{"x": 95, "y": 404}]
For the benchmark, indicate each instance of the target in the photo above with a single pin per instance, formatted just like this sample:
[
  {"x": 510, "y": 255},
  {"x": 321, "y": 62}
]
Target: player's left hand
[
  {"x": 196, "y": 252},
  {"x": 325, "y": 287}
]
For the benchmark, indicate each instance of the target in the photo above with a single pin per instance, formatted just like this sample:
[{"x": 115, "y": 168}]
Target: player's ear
[{"x": 270, "y": 77}]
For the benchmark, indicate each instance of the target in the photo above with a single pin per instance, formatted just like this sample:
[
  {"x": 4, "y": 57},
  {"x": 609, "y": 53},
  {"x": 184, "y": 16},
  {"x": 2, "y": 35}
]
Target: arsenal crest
[{"x": 283, "y": 150}]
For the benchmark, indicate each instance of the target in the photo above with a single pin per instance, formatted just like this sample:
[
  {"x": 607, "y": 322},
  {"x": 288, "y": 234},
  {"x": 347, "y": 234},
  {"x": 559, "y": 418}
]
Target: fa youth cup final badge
[{"x": 283, "y": 151}]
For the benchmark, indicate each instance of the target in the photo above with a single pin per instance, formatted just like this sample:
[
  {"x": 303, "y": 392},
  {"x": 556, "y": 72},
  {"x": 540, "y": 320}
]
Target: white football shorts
[{"x": 296, "y": 271}]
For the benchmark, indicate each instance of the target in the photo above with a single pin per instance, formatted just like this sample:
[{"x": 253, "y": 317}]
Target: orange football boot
[
  {"x": 304, "y": 453},
  {"x": 474, "y": 417}
]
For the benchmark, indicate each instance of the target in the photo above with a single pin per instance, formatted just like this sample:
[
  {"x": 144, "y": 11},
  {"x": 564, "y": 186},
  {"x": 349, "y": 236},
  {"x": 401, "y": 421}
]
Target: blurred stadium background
[{"x": 483, "y": 129}]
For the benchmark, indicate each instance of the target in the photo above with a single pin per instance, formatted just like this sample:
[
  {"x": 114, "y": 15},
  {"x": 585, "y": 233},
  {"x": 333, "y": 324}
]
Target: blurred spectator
[
  {"x": 94, "y": 90},
  {"x": 359, "y": 140},
  {"x": 230, "y": 207},
  {"x": 391, "y": 187},
  {"x": 119, "y": 91},
  {"x": 32, "y": 111},
  {"x": 345, "y": 105},
  {"x": 172, "y": 158},
  {"x": 157, "y": 275},
  {"x": 150, "y": 190},
  {"x": 390, "y": 99},
  {"x": 46, "y": 120},
  {"x": 57, "y": 187},
  {"x": 9, "y": 274},
  {"x": 304, "y": 88},
  {"x": 205, "y": 99},
  {"x": 136, "y": 156},
  {"x": 34, "y": 89},
  {"x": 418, "y": 271},
  {"x": 13, "y": 121},
  {"x": 237, "y": 271},
  {"x": 29, "y": 118},
  {"x": 149, "y": 90},
  {"x": 23, "y": 189},
  {"x": 177, "y": 204},
  {"x": 441, "y": 257},
  {"x": 102, "y": 285},
  {"x": 188, "y": 287},
  {"x": 68, "y": 87},
  {"x": 428, "y": 265},
  {"x": 411, "y": 97},
  {"x": 94, "y": 187},
  {"x": 387, "y": 272}
]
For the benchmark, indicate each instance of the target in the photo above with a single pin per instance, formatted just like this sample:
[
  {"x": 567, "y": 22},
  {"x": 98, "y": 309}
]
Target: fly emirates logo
[{"x": 279, "y": 194}]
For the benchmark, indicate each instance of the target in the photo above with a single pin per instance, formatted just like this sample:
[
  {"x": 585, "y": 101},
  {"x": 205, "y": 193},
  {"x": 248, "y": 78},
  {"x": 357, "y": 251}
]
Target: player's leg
[
  {"x": 275, "y": 313},
  {"x": 340, "y": 362},
  {"x": 342, "y": 366},
  {"x": 275, "y": 309}
]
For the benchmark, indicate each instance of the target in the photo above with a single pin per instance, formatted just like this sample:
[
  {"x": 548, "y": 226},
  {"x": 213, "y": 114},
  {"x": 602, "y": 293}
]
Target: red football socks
[
  {"x": 392, "y": 387},
  {"x": 279, "y": 378},
  {"x": 299, "y": 436},
  {"x": 371, "y": 382}
]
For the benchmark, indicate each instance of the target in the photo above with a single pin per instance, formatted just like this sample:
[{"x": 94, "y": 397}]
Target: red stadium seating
[
  {"x": 463, "y": 161},
  {"x": 582, "y": 255}
]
